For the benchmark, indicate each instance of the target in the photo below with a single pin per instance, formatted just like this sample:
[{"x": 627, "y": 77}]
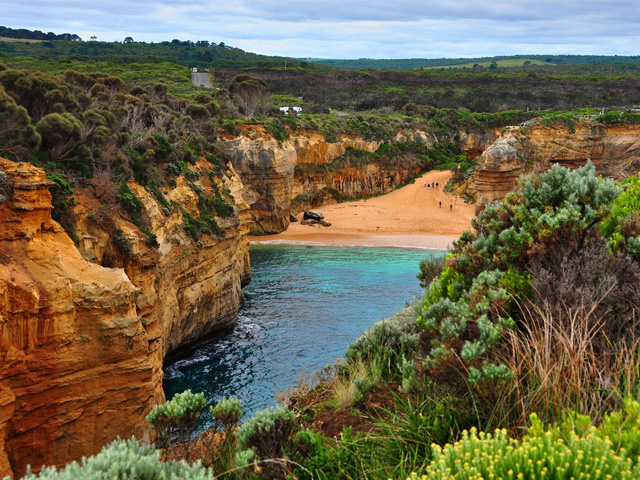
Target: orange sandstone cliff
[
  {"x": 270, "y": 169},
  {"x": 614, "y": 150},
  {"x": 81, "y": 345},
  {"x": 267, "y": 167}
]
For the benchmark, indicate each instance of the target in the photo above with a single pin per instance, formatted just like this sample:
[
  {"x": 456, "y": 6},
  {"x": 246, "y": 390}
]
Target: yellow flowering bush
[{"x": 542, "y": 454}]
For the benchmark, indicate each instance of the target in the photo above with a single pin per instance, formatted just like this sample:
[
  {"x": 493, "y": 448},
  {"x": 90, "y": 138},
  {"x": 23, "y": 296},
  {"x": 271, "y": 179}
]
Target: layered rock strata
[
  {"x": 269, "y": 168},
  {"x": 614, "y": 150},
  {"x": 81, "y": 345}
]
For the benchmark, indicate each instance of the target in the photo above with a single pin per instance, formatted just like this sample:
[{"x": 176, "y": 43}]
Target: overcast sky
[{"x": 350, "y": 28}]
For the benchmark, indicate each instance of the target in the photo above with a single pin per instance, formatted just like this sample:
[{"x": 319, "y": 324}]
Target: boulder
[
  {"x": 315, "y": 223},
  {"x": 292, "y": 218},
  {"x": 310, "y": 215}
]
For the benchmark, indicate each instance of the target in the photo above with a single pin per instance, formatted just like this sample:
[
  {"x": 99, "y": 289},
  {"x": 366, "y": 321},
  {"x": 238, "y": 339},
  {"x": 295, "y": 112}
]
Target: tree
[
  {"x": 38, "y": 93},
  {"x": 248, "y": 91},
  {"x": 17, "y": 136},
  {"x": 60, "y": 134}
]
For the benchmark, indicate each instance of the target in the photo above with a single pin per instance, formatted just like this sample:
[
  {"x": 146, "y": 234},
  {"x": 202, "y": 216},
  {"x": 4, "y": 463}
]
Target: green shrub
[
  {"x": 122, "y": 242},
  {"x": 622, "y": 227},
  {"x": 267, "y": 435},
  {"x": 430, "y": 268},
  {"x": 471, "y": 304},
  {"x": 227, "y": 413},
  {"x": 196, "y": 227},
  {"x": 130, "y": 203},
  {"x": 124, "y": 460},
  {"x": 164, "y": 148},
  {"x": 61, "y": 199},
  {"x": 179, "y": 415},
  {"x": 387, "y": 342}
]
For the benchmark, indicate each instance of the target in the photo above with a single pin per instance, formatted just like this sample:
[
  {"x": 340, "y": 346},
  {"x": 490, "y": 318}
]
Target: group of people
[{"x": 436, "y": 185}]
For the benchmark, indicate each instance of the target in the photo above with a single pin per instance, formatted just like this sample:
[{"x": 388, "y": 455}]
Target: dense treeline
[
  {"x": 23, "y": 33},
  {"x": 95, "y": 132},
  {"x": 201, "y": 54},
  {"x": 480, "y": 92},
  {"x": 411, "y": 63}
]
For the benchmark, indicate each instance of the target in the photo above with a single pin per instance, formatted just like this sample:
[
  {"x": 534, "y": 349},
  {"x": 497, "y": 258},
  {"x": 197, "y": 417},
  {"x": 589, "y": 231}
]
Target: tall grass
[{"x": 562, "y": 359}]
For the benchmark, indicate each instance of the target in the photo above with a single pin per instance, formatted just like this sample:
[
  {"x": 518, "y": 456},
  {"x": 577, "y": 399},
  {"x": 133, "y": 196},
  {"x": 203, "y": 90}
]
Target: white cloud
[{"x": 351, "y": 29}]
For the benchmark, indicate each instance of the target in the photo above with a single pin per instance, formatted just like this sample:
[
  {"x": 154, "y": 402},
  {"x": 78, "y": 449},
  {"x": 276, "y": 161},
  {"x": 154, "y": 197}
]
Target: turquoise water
[{"x": 305, "y": 305}]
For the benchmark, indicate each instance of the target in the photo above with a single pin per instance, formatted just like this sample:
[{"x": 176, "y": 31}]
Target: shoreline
[
  {"x": 427, "y": 242},
  {"x": 414, "y": 216}
]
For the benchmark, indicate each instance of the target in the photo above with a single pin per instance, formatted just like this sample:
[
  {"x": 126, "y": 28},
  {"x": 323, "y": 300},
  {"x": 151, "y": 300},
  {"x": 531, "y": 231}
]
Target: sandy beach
[{"x": 412, "y": 216}]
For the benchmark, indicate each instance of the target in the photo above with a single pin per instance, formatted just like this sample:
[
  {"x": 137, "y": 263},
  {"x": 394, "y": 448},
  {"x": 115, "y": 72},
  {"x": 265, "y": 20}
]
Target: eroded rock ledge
[
  {"x": 81, "y": 345},
  {"x": 614, "y": 150}
]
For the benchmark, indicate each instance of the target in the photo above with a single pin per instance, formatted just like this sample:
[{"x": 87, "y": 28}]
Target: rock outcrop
[
  {"x": 74, "y": 355},
  {"x": 266, "y": 167},
  {"x": 81, "y": 345},
  {"x": 614, "y": 150}
]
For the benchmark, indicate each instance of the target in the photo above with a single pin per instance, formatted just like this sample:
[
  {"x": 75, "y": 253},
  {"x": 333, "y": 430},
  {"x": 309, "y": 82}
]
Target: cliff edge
[
  {"x": 82, "y": 345},
  {"x": 613, "y": 149}
]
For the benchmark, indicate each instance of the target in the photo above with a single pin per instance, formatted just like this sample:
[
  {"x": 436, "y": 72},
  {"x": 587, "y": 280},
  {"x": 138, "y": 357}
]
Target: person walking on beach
[
  {"x": 440, "y": 204},
  {"x": 425, "y": 184},
  {"x": 433, "y": 184},
  {"x": 451, "y": 207},
  {"x": 437, "y": 184}
]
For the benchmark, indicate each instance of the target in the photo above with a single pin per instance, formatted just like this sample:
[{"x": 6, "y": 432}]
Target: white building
[{"x": 286, "y": 110}]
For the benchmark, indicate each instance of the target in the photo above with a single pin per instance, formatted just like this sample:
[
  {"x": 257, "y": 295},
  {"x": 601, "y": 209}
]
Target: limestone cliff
[
  {"x": 267, "y": 167},
  {"x": 614, "y": 150},
  {"x": 275, "y": 173},
  {"x": 82, "y": 345}
]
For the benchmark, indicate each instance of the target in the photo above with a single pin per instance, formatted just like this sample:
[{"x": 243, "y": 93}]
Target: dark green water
[{"x": 305, "y": 305}]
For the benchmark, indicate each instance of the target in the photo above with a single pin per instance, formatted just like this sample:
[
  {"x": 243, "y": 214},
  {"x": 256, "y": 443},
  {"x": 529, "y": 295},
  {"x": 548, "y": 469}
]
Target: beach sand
[{"x": 408, "y": 217}]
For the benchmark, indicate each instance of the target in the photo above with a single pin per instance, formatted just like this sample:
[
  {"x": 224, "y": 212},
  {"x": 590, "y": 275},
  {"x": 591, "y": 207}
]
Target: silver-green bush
[{"x": 124, "y": 460}]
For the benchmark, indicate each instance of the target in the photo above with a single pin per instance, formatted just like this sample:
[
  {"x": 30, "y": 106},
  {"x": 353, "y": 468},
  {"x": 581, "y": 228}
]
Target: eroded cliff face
[
  {"x": 82, "y": 345},
  {"x": 614, "y": 150},
  {"x": 74, "y": 356},
  {"x": 271, "y": 180},
  {"x": 266, "y": 167}
]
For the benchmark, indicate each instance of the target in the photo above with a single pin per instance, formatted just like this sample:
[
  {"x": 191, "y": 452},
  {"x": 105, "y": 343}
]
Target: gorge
[{"x": 83, "y": 343}]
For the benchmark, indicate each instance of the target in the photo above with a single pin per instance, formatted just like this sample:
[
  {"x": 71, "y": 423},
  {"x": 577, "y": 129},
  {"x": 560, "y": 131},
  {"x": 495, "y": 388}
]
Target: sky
[{"x": 350, "y": 28}]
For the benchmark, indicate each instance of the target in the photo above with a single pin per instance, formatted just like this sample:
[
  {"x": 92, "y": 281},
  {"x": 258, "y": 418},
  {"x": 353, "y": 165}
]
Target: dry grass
[
  {"x": 305, "y": 383},
  {"x": 562, "y": 360},
  {"x": 344, "y": 392}
]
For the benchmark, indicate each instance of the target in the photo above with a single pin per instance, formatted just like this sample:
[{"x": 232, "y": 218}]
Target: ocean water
[{"x": 304, "y": 306}]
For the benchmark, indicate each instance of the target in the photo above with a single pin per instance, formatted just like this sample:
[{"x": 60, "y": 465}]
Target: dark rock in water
[
  {"x": 292, "y": 218},
  {"x": 310, "y": 215},
  {"x": 324, "y": 223}
]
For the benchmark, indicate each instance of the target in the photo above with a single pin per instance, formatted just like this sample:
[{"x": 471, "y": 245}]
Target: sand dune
[{"x": 409, "y": 216}]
